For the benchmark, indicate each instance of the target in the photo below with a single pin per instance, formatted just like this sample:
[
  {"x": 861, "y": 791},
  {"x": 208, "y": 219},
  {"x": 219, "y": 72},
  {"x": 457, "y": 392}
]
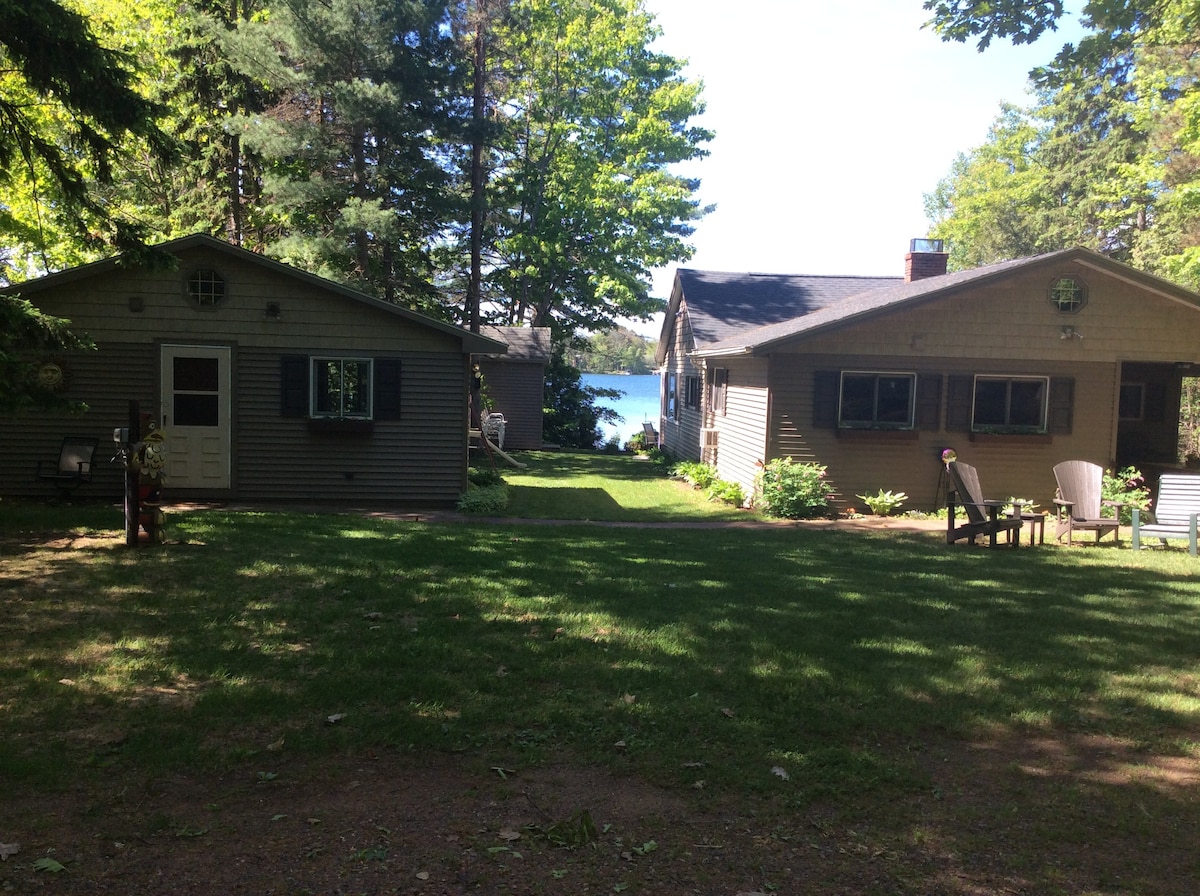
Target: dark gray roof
[
  {"x": 530, "y": 344},
  {"x": 753, "y": 334},
  {"x": 721, "y": 305}
]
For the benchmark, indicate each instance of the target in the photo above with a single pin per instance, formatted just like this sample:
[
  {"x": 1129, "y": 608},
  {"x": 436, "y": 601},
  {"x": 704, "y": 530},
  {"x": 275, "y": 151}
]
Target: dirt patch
[{"x": 1083, "y": 816}]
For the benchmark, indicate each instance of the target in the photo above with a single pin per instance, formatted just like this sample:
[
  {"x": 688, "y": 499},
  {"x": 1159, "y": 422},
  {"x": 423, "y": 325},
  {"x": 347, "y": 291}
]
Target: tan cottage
[
  {"x": 1014, "y": 366},
  {"x": 271, "y": 384}
]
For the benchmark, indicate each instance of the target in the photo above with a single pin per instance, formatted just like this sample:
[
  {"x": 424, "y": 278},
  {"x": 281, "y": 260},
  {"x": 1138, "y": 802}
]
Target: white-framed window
[
  {"x": 1015, "y": 404},
  {"x": 206, "y": 289},
  {"x": 341, "y": 388},
  {"x": 1068, "y": 294},
  {"x": 871, "y": 399},
  {"x": 671, "y": 399},
  {"x": 691, "y": 392}
]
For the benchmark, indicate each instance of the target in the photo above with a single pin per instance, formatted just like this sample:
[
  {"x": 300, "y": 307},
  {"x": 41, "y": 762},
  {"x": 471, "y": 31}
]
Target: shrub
[
  {"x": 637, "y": 443},
  {"x": 695, "y": 473},
  {"x": 1127, "y": 487},
  {"x": 794, "y": 491},
  {"x": 727, "y": 492},
  {"x": 484, "y": 499},
  {"x": 484, "y": 476},
  {"x": 884, "y": 503}
]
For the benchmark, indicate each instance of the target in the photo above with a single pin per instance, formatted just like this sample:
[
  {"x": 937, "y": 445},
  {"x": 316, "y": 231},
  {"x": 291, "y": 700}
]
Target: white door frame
[{"x": 199, "y": 450}]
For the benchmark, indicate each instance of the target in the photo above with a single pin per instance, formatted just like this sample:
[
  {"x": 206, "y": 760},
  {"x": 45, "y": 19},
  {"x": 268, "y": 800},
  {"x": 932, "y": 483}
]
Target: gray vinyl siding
[
  {"x": 516, "y": 390},
  {"x": 106, "y": 381},
  {"x": 681, "y": 436},
  {"x": 742, "y": 429},
  {"x": 420, "y": 459}
]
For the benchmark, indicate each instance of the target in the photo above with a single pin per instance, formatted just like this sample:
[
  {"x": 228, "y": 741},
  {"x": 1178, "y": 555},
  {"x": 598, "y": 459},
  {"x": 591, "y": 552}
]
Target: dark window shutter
[
  {"x": 1062, "y": 405},
  {"x": 293, "y": 372},
  {"x": 929, "y": 401},
  {"x": 958, "y": 403},
  {"x": 825, "y": 399},
  {"x": 387, "y": 389}
]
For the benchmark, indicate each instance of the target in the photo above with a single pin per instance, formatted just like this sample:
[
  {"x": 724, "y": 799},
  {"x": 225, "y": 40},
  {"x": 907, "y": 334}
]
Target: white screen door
[{"x": 195, "y": 412}]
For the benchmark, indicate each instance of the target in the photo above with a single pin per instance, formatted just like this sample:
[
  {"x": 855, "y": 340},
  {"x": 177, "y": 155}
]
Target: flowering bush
[
  {"x": 794, "y": 491},
  {"x": 1127, "y": 487}
]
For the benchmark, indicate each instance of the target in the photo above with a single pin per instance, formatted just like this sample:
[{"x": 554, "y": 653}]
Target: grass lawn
[
  {"x": 793, "y": 677},
  {"x": 605, "y": 487}
]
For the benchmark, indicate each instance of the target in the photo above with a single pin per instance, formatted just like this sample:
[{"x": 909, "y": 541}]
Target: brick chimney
[{"x": 925, "y": 258}]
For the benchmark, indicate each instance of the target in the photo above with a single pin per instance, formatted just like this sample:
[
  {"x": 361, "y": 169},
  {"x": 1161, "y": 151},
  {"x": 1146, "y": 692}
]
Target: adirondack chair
[
  {"x": 74, "y": 467},
  {"x": 1079, "y": 503},
  {"x": 651, "y": 433},
  {"x": 983, "y": 516},
  {"x": 1175, "y": 511}
]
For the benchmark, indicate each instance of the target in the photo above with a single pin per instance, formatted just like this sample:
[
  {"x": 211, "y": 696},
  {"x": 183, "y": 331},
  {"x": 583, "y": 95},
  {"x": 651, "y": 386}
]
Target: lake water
[{"x": 640, "y": 402}]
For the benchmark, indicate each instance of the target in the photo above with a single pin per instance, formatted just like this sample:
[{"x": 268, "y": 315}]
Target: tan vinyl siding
[
  {"x": 1013, "y": 320},
  {"x": 863, "y": 463}
]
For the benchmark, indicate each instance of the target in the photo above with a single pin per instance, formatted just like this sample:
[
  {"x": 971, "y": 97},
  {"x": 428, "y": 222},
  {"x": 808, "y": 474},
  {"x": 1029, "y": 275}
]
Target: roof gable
[
  {"x": 891, "y": 293},
  {"x": 471, "y": 342}
]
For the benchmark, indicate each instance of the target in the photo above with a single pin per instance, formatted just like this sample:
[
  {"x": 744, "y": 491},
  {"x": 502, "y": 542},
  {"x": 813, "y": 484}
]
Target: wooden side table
[{"x": 1037, "y": 524}]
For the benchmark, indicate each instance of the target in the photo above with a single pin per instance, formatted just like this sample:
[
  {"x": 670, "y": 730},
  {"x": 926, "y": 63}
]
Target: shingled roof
[
  {"x": 530, "y": 344},
  {"x": 751, "y": 313},
  {"x": 721, "y": 305}
]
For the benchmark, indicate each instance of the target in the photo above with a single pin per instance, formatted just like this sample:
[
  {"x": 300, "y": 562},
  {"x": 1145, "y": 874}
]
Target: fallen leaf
[
  {"x": 335, "y": 718},
  {"x": 422, "y": 875},
  {"x": 48, "y": 865},
  {"x": 509, "y": 834},
  {"x": 781, "y": 772},
  {"x": 275, "y": 746},
  {"x": 727, "y": 712},
  {"x": 8, "y": 849},
  {"x": 629, "y": 698}
]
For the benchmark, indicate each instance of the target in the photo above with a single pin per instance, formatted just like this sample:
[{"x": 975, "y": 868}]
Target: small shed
[
  {"x": 271, "y": 384},
  {"x": 514, "y": 382}
]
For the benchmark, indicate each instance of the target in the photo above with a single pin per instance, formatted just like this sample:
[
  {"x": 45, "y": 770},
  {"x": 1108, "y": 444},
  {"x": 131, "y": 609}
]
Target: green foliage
[
  {"x": 884, "y": 503},
  {"x": 726, "y": 492},
  {"x": 27, "y": 338},
  {"x": 484, "y": 476},
  {"x": 703, "y": 477},
  {"x": 794, "y": 491},
  {"x": 583, "y": 204},
  {"x": 571, "y": 416},
  {"x": 334, "y": 169},
  {"x": 1126, "y": 487},
  {"x": 616, "y": 351},
  {"x": 68, "y": 102},
  {"x": 694, "y": 473},
  {"x": 484, "y": 499},
  {"x": 638, "y": 443}
]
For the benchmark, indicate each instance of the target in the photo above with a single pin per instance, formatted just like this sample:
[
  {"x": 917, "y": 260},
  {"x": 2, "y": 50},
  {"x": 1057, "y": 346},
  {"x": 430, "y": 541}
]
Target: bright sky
[{"x": 832, "y": 121}]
